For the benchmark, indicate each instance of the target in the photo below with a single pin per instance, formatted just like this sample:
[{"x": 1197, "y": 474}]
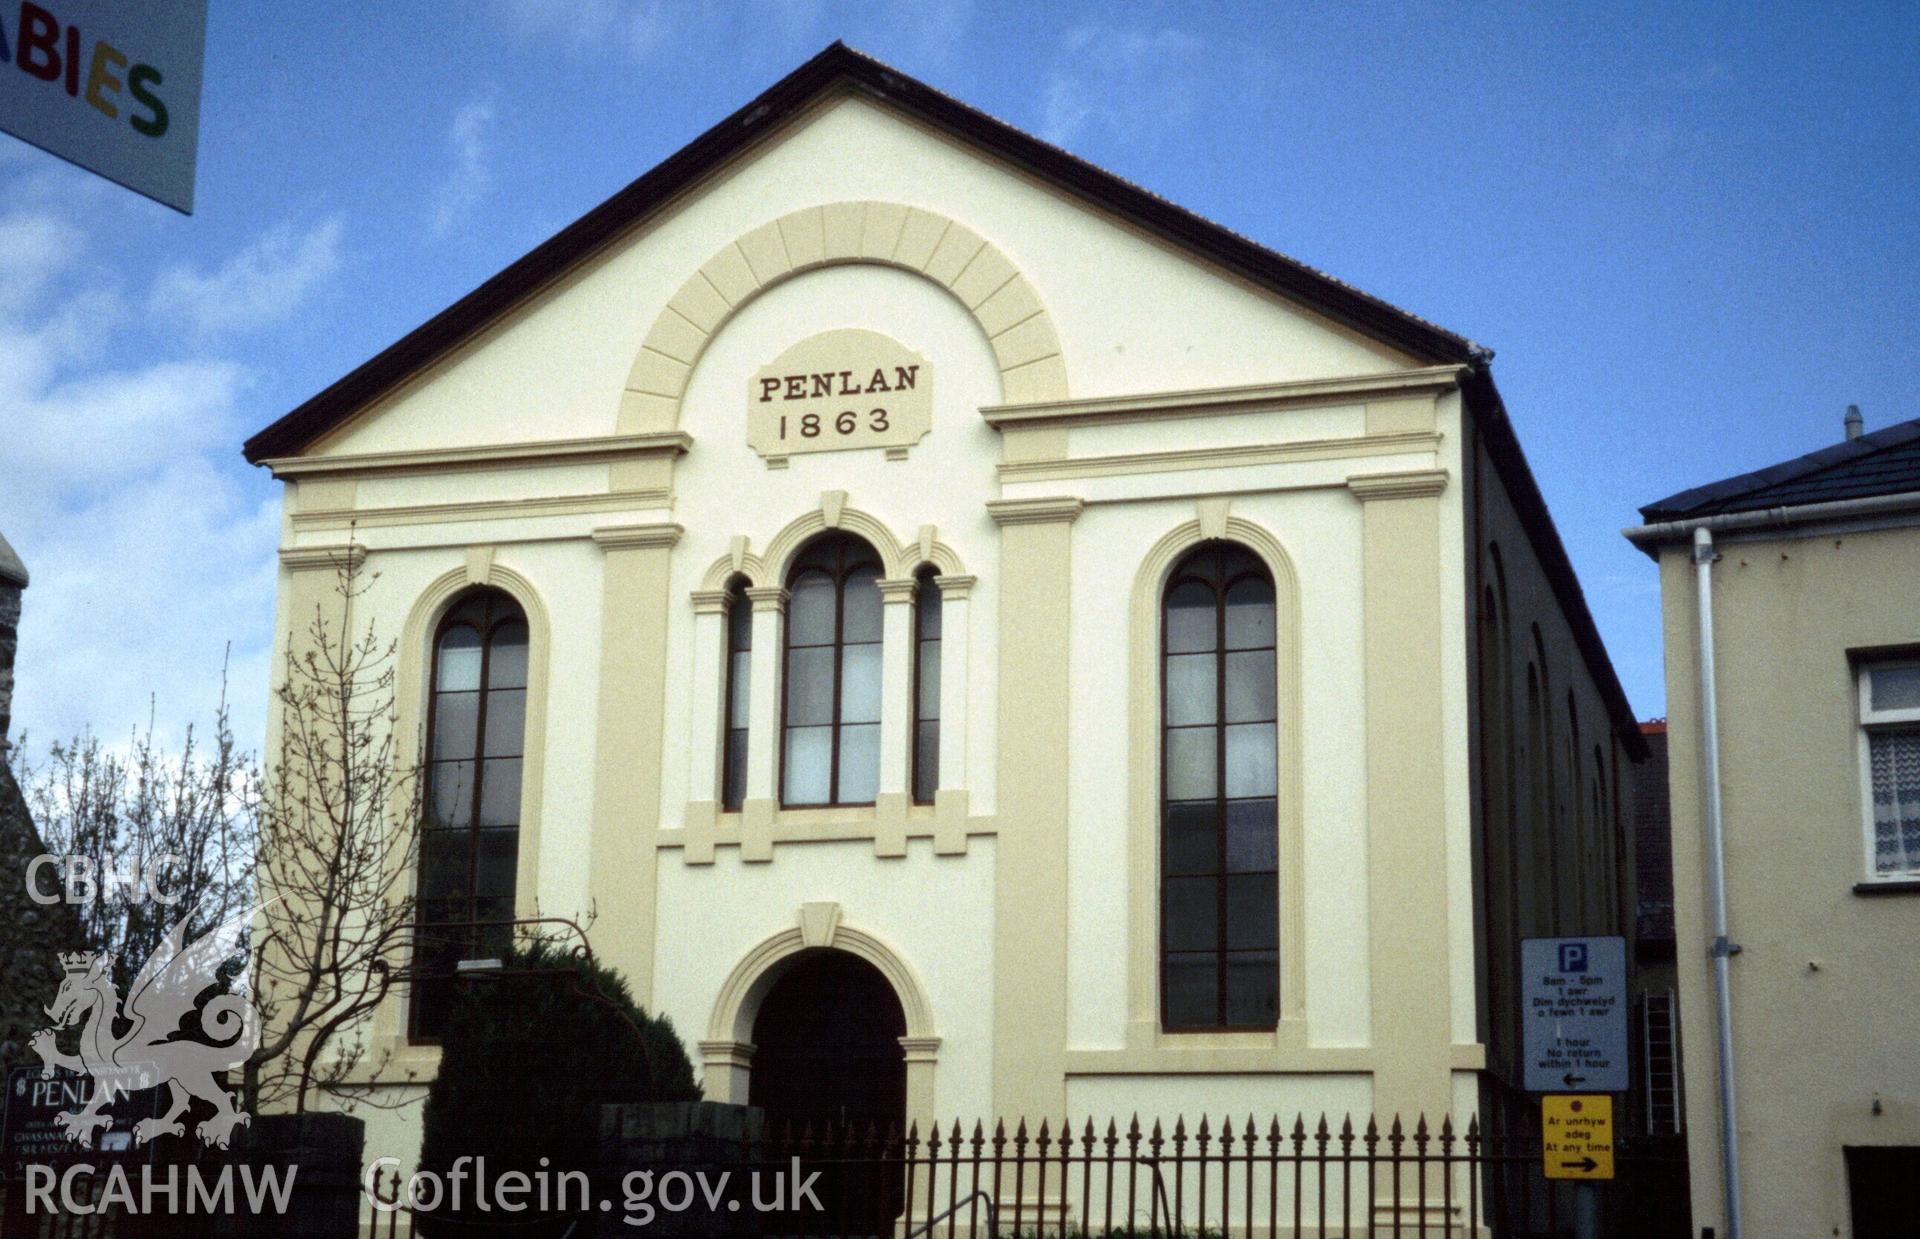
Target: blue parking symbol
[{"x": 1573, "y": 957}]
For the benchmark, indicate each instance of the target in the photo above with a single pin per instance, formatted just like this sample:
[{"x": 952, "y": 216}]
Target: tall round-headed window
[
  {"x": 470, "y": 846},
  {"x": 830, "y": 741},
  {"x": 1219, "y": 828}
]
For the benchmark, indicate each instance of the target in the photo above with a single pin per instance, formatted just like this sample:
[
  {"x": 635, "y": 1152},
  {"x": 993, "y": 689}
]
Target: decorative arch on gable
[{"x": 974, "y": 270}]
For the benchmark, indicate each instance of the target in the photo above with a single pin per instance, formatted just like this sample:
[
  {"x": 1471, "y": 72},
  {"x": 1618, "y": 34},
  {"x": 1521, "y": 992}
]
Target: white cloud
[
  {"x": 262, "y": 284},
  {"x": 635, "y": 28},
  {"x": 472, "y": 174},
  {"x": 149, "y": 546},
  {"x": 1135, "y": 83},
  {"x": 35, "y": 246}
]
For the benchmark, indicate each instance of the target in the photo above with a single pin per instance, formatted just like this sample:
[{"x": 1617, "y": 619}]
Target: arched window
[
  {"x": 926, "y": 686},
  {"x": 1219, "y": 832},
  {"x": 470, "y": 847},
  {"x": 733, "y": 758},
  {"x": 830, "y": 751}
]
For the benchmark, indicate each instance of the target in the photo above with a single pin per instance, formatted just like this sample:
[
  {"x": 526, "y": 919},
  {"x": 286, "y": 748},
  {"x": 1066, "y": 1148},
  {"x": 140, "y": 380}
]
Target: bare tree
[
  {"x": 339, "y": 820},
  {"x": 136, "y": 822}
]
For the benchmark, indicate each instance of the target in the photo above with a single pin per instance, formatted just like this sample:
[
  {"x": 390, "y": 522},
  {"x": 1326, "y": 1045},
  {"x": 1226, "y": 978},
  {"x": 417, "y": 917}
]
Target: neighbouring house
[
  {"x": 982, "y": 639},
  {"x": 1810, "y": 570}
]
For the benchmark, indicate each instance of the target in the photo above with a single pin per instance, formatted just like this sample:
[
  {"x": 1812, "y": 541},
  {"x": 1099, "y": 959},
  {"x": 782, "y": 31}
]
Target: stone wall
[{"x": 31, "y": 936}]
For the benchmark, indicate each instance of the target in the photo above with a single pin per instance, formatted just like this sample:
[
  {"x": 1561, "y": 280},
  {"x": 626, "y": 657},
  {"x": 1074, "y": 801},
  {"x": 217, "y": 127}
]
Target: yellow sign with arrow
[{"x": 1577, "y": 1136}]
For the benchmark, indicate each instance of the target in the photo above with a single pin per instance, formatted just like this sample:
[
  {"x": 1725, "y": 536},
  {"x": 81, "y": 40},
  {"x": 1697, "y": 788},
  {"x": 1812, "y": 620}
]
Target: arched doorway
[{"x": 827, "y": 1046}]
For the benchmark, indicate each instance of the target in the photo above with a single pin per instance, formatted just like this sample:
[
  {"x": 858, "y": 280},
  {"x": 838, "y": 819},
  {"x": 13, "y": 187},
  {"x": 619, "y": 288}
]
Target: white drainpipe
[{"x": 1720, "y": 949}]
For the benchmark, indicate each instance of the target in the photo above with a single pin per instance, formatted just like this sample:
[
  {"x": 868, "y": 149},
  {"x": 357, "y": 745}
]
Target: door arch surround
[{"x": 726, "y": 1053}]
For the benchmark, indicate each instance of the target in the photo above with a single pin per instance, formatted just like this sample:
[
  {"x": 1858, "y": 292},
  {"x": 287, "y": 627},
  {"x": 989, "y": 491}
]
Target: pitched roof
[
  {"x": 839, "y": 67},
  {"x": 1886, "y": 462}
]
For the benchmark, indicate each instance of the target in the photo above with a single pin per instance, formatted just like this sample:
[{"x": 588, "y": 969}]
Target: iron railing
[{"x": 1213, "y": 1179}]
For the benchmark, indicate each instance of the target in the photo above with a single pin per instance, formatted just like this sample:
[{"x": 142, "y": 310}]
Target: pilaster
[
  {"x": 763, "y": 724},
  {"x": 1030, "y": 895},
  {"x": 1406, "y": 793},
  {"x": 632, "y": 708}
]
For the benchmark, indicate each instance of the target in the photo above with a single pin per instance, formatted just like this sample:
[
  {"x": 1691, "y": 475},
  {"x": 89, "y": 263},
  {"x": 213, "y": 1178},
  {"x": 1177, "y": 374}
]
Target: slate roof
[{"x": 1886, "y": 462}]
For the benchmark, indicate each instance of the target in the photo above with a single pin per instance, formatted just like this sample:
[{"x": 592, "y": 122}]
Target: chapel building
[{"x": 960, "y": 621}]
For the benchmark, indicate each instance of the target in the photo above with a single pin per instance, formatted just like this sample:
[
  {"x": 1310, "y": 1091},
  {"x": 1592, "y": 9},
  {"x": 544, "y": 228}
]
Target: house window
[
  {"x": 1890, "y": 761},
  {"x": 1219, "y": 834},
  {"x": 830, "y": 751},
  {"x": 469, "y": 848},
  {"x": 733, "y": 757},
  {"x": 926, "y": 687}
]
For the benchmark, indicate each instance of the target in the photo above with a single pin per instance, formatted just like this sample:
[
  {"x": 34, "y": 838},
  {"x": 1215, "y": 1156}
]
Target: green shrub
[{"x": 528, "y": 1058}]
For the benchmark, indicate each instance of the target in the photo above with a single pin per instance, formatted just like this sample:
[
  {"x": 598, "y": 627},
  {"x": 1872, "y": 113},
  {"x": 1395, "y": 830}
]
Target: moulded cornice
[
  {"x": 1034, "y": 511},
  {"x": 670, "y": 443},
  {"x": 1213, "y": 400},
  {"x": 1408, "y": 484},
  {"x": 954, "y": 586},
  {"x": 348, "y": 555},
  {"x": 620, "y": 537},
  {"x": 1060, "y": 469},
  {"x": 483, "y": 510}
]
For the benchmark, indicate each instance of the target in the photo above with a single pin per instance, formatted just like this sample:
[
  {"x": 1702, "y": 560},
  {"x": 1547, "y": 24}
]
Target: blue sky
[{"x": 1689, "y": 232}]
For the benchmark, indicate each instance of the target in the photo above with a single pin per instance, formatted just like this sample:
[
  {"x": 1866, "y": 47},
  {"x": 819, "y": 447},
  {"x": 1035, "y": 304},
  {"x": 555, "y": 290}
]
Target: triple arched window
[
  {"x": 470, "y": 844},
  {"x": 1219, "y": 829}
]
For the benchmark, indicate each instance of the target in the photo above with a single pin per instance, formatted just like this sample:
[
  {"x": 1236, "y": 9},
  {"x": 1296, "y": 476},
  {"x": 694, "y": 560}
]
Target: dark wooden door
[
  {"x": 827, "y": 1045},
  {"x": 827, "y": 1056}
]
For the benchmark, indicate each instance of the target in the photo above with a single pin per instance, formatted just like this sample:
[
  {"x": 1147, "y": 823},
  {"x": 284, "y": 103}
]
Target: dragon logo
[{"x": 154, "y": 1048}]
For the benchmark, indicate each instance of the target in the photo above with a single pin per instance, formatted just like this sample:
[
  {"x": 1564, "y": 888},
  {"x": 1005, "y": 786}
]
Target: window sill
[
  {"x": 760, "y": 825},
  {"x": 1890, "y": 886}
]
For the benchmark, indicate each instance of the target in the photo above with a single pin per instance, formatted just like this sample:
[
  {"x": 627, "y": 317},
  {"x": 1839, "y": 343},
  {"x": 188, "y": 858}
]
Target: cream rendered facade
[
  {"x": 1825, "y": 993},
  {"x": 1103, "y": 400}
]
